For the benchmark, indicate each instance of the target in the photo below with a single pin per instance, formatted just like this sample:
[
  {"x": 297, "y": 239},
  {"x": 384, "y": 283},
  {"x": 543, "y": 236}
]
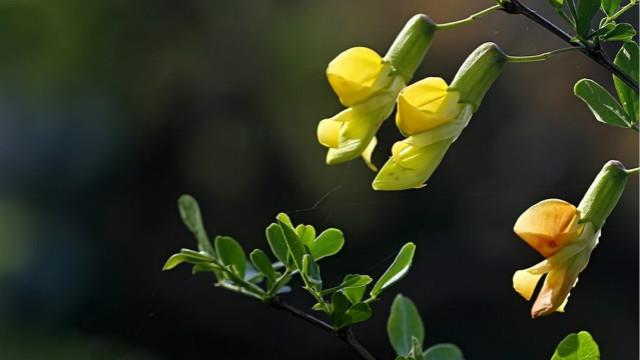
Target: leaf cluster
[{"x": 297, "y": 250}]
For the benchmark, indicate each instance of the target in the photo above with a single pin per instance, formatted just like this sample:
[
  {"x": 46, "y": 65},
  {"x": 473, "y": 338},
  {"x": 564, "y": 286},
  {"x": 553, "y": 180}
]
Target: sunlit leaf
[
  {"x": 295, "y": 246},
  {"x": 328, "y": 243},
  {"x": 580, "y": 346},
  {"x": 262, "y": 262},
  {"x": 603, "y": 106},
  {"x": 396, "y": 270},
  {"x": 277, "y": 243},
  {"x": 231, "y": 253},
  {"x": 306, "y": 233},
  {"x": 404, "y": 323}
]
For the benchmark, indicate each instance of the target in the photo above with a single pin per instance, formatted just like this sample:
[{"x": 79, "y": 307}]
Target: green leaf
[
  {"x": 231, "y": 253},
  {"x": 587, "y": 9},
  {"x": 627, "y": 60},
  {"x": 190, "y": 214},
  {"x": 404, "y": 324},
  {"x": 603, "y": 106},
  {"x": 295, "y": 246},
  {"x": 443, "y": 352},
  {"x": 284, "y": 218},
  {"x": 339, "y": 306},
  {"x": 344, "y": 314},
  {"x": 276, "y": 241},
  {"x": 306, "y": 233},
  {"x": 354, "y": 293},
  {"x": 610, "y": 7},
  {"x": 396, "y": 270},
  {"x": 580, "y": 346},
  {"x": 262, "y": 262},
  {"x": 180, "y": 258},
  {"x": 620, "y": 32},
  {"x": 350, "y": 281},
  {"x": 358, "y": 313},
  {"x": 328, "y": 243},
  {"x": 312, "y": 271},
  {"x": 354, "y": 286}
]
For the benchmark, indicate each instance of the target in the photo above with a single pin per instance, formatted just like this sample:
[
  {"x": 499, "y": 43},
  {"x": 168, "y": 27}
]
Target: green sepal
[
  {"x": 478, "y": 72},
  {"x": 603, "y": 194},
  {"x": 410, "y": 46}
]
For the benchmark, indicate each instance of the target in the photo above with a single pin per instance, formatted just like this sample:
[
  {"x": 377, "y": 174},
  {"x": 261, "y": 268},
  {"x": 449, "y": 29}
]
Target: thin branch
[
  {"x": 470, "y": 18},
  {"x": 345, "y": 334},
  {"x": 595, "y": 53}
]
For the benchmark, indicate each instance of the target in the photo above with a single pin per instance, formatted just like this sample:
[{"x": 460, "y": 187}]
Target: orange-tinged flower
[{"x": 552, "y": 228}]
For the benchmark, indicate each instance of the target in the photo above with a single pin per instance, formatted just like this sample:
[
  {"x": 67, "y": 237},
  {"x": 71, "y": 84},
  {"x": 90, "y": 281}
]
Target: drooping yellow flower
[
  {"x": 432, "y": 115},
  {"x": 566, "y": 236},
  {"x": 356, "y": 74},
  {"x": 362, "y": 81},
  {"x": 368, "y": 86},
  {"x": 553, "y": 229}
]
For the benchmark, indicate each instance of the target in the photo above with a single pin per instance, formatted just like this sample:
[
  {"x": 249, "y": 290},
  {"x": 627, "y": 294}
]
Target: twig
[
  {"x": 345, "y": 334},
  {"x": 595, "y": 53}
]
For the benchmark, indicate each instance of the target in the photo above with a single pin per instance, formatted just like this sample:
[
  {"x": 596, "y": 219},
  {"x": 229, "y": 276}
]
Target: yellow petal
[
  {"x": 554, "y": 294},
  {"x": 356, "y": 131},
  {"x": 368, "y": 152},
  {"x": 548, "y": 225},
  {"x": 426, "y": 105},
  {"x": 525, "y": 283},
  {"x": 329, "y": 133},
  {"x": 356, "y": 74},
  {"x": 409, "y": 166}
]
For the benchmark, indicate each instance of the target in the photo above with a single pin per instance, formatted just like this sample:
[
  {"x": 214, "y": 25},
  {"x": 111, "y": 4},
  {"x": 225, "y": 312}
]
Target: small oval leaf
[
  {"x": 403, "y": 325},
  {"x": 603, "y": 106},
  {"x": 231, "y": 253}
]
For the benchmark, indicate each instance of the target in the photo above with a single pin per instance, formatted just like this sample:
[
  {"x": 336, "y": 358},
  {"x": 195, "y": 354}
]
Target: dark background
[{"x": 110, "y": 109}]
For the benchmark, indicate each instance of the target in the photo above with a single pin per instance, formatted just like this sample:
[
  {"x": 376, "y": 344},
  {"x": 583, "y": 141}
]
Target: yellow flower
[
  {"x": 356, "y": 74},
  {"x": 433, "y": 114},
  {"x": 429, "y": 113},
  {"x": 552, "y": 227},
  {"x": 368, "y": 86},
  {"x": 362, "y": 81},
  {"x": 425, "y": 105}
]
